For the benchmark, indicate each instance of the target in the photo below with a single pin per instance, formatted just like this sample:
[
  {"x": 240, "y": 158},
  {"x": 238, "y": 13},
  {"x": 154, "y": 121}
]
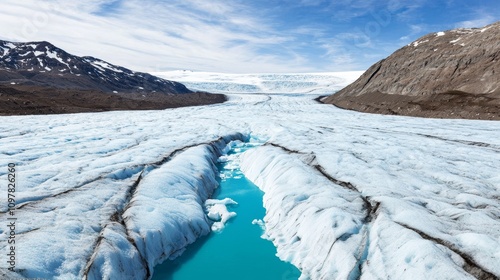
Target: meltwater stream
[{"x": 238, "y": 251}]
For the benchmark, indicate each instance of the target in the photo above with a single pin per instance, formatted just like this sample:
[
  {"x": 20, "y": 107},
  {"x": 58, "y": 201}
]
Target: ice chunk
[
  {"x": 217, "y": 212},
  {"x": 262, "y": 226}
]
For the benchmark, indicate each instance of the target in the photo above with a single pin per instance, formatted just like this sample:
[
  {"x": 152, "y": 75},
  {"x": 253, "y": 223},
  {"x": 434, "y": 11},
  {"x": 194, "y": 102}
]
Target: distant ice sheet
[{"x": 314, "y": 83}]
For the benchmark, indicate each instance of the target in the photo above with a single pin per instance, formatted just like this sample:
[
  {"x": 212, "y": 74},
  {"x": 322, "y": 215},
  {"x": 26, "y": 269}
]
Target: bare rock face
[{"x": 451, "y": 74}]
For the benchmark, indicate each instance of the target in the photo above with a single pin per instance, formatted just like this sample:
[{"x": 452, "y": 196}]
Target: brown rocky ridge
[{"x": 451, "y": 74}]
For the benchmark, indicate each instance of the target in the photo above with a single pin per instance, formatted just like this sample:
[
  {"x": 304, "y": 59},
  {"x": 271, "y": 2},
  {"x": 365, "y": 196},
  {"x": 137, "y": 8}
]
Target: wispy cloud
[
  {"x": 153, "y": 35},
  {"x": 231, "y": 36},
  {"x": 415, "y": 30},
  {"x": 480, "y": 21}
]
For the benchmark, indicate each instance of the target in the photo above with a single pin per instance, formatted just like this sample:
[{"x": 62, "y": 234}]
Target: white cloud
[
  {"x": 225, "y": 36},
  {"x": 480, "y": 21},
  {"x": 415, "y": 30},
  {"x": 341, "y": 51},
  {"x": 154, "y": 35}
]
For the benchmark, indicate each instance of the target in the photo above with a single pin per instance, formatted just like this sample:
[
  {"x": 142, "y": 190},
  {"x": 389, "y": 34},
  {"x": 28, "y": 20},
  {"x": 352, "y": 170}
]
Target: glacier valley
[
  {"x": 235, "y": 251},
  {"x": 347, "y": 195}
]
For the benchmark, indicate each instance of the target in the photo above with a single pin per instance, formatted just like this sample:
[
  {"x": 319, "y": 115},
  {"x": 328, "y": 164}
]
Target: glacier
[
  {"x": 311, "y": 83},
  {"x": 348, "y": 195}
]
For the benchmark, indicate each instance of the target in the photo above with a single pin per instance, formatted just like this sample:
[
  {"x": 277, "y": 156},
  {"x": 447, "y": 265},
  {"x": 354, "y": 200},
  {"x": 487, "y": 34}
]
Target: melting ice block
[{"x": 217, "y": 212}]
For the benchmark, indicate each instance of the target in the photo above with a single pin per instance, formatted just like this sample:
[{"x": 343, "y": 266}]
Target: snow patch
[
  {"x": 417, "y": 43},
  {"x": 103, "y": 65},
  {"x": 10, "y": 45},
  {"x": 54, "y": 55},
  {"x": 486, "y": 28}
]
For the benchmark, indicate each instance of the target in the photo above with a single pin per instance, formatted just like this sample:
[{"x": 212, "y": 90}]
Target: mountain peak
[
  {"x": 454, "y": 73},
  {"x": 44, "y": 64}
]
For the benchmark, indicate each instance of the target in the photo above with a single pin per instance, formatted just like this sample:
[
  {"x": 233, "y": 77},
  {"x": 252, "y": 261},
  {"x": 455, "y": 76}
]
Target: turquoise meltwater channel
[{"x": 238, "y": 251}]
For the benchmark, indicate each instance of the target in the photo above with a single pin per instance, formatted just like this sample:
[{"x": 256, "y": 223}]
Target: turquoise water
[{"x": 238, "y": 252}]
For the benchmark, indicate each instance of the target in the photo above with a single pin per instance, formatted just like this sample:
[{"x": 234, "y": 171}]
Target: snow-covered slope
[
  {"x": 347, "y": 193},
  {"x": 315, "y": 83}
]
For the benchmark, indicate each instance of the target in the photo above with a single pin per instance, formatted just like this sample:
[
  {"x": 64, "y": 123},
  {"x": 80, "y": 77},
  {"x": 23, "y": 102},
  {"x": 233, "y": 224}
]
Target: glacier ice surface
[
  {"x": 115, "y": 192},
  {"x": 306, "y": 83}
]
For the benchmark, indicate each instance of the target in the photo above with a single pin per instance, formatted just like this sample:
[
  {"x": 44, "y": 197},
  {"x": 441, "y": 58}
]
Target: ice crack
[{"x": 470, "y": 266}]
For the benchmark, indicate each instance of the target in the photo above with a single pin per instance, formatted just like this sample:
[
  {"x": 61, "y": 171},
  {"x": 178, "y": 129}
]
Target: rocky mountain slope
[
  {"x": 452, "y": 74},
  {"x": 39, "y": 78},
  {"x": 41, "y": 63}
]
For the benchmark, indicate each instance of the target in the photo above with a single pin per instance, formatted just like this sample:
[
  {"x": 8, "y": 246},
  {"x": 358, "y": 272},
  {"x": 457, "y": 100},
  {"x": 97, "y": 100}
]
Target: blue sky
[{"x": 239, "y": 36}]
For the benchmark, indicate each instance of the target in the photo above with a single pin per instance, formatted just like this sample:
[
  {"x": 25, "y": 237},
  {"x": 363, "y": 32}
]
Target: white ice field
[
  {"x": 306, "y": 83},
  {"x": 348, "y": 195}
]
